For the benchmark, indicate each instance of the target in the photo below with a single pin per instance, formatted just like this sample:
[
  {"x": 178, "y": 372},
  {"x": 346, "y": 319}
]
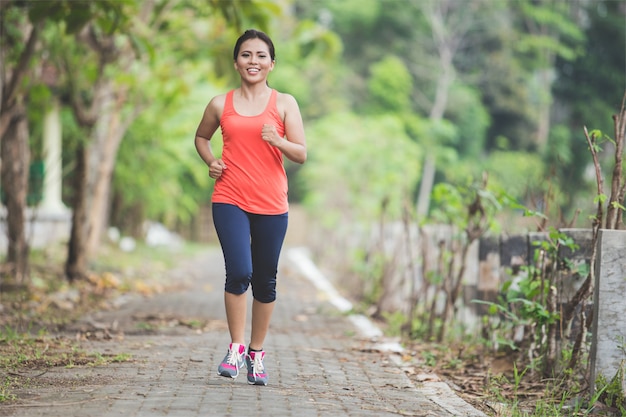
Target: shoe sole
[
  {"x": 228, "y": 375},
  {"x": 257, "y": 383}
]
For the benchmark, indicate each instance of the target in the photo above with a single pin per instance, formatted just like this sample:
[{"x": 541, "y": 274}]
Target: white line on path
[{"x": 300, "y": 258}]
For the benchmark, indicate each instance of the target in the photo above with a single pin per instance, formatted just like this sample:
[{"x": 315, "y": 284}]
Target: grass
[{"x": 23, "y": 351}]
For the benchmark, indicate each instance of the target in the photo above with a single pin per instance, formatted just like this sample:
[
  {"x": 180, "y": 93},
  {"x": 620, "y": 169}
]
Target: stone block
[{"x": 608, "y": 347}]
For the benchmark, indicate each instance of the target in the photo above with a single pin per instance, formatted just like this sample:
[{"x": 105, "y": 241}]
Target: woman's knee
[
  {"x": 264, "y": 293},
  {"x": 237, "y": 284}
]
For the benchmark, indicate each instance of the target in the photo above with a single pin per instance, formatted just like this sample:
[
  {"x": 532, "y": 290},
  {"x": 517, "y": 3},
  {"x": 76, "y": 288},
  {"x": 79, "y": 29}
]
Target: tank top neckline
[{"x": 265, "y": 109}]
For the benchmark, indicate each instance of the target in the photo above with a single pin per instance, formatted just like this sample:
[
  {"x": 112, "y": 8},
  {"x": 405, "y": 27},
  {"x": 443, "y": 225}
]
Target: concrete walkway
[{"x": 319, "y": 362}]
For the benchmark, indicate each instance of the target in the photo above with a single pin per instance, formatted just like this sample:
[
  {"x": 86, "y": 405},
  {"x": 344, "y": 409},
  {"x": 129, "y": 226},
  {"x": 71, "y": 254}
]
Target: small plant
[
  {"x": 5, "y": 391},
  {"x": 122, "y": 357},
  {"x": 145, "y": 326},
  {"x": 8, "y": 334},
  {"x": 394, "y": 323},
  {"x": 611, "y": 393},
  {"x": 430, "y": 359}
]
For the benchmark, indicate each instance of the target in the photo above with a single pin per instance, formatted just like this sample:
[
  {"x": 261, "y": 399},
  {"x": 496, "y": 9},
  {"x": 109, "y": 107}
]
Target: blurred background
[{"x": 406, "y": 103}]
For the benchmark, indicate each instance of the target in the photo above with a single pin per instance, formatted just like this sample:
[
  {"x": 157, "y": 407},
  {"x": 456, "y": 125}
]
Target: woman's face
[{"x": 254, "y": 62}]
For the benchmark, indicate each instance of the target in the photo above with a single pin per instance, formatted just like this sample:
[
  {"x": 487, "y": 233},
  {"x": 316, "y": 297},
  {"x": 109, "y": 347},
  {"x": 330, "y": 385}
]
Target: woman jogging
[{"x": 259, "y": 125}]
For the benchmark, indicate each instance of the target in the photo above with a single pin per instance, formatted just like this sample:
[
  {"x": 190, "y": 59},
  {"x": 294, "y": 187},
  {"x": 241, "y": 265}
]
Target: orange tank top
[{"x": 254, "y": 179}]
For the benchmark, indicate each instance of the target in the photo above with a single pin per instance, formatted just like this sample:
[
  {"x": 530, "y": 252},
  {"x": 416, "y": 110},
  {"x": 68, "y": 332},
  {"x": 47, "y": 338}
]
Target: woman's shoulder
[
  {"x": 219, "y": 100},
  {"x": 284, "y": 96},
  {"x": 216, "y": 104},
  {"x": 285, "y": 100}
]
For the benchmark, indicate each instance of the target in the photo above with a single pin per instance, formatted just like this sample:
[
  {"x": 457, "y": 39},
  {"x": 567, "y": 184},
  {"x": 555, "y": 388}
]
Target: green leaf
[{"x": 600, "y": 198}]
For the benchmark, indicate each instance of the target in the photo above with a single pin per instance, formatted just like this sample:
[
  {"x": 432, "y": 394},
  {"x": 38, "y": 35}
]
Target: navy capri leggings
[{"x": 251, "y": 244}]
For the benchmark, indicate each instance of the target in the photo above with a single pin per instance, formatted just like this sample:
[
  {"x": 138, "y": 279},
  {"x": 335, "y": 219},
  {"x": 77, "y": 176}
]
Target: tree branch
[{"x": 20, "y": 69}]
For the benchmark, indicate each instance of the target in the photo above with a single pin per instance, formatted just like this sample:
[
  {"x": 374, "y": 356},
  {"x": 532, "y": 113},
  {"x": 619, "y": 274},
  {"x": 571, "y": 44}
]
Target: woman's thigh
[
  {"x": 233, "y": 231},
  {"x": 267, "y": 237}
]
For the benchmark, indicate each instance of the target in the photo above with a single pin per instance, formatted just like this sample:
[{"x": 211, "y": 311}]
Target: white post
[
  {"x": 52, "y": 203},
  {"x": 608, "y": 345}
]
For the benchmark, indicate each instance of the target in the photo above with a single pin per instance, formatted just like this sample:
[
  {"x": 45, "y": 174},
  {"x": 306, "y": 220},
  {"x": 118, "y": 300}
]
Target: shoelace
[
  {"x": 257, "y": 366},
  {"x": 234, "y": 358}
]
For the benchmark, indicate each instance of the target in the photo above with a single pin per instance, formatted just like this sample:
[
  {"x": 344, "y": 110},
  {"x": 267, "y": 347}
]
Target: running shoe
[
  {"x": 256, "y": 370},
  {"x": 233, "y": 361}
]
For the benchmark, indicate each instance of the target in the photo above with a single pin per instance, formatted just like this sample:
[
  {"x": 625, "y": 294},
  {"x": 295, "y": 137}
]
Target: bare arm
[
  {"x": 293, "y": 145},
  {"x": 206, "y": 129}
]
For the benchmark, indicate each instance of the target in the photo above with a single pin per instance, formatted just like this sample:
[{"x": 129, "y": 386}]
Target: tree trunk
[
  {"x": 93, "y": 178},
  {"x": 446, "y": 39},
  {"x": 106, "y": 141},
  {"x": 14, "y": 150},
  {"x": 15, "y": 155},
  {"x": 76, "y": 264},
  {"x": 426, "y": 186}
]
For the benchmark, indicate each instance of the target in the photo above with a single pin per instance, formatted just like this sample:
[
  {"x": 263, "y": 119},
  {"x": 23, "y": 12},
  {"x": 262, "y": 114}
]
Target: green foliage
[
  {"x": 438, "y": 134},
  {"x": 39, "y": 100},
  {"x": 353, "y": 14},
  {"x": 598, "y": 73},
  {"x": 452, "y": 204},
  {"x": 438, "y": 138},
  {"x": 158, "y": 174},
  {"x": 161, "y": 174},
  {"x": 389, "y": 86},
  {"x": 517, "y": 172},
  {"x": 611, "y": 393},
  {"x": 359, "y": 167},
  {"x": 471, "y": 120},
  {"x": 110, "y": 14},
  {"x": 526, "y": 299},
  {"x": 449, "y": 203},
  {"x": 310, "y": 52},
  {"x": 550, "y": 31},
  {"x": 589, "y": 90},
  {"x": 370, "y": 268},
  {"x": 314, "y": 41},
  {"x": 394, "y": 323}
]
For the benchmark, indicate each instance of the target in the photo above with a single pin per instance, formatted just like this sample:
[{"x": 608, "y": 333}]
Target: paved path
[{"x": 319, "y": 364}]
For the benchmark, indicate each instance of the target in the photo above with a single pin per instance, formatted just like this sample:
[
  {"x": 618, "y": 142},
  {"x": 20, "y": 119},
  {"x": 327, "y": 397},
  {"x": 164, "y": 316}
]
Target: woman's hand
[
  {"x": 270, "y": 135},
  {"x": 216, "y": 168}
]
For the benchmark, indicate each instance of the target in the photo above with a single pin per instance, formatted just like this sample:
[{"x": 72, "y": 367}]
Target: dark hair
[{"x": 253, "y": 34}]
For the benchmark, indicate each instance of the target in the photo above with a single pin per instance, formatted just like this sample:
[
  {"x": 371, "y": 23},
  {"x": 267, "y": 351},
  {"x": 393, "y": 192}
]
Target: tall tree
[
  {"x": 20, "y": 36},
  {"x": 97, "y": 99},
  {"x": 449, "y": 28}
]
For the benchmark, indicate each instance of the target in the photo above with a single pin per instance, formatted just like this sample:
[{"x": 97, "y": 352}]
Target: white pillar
[
  {"x": 608, "y": 345},
  {"x": 52, "y": 203}
]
